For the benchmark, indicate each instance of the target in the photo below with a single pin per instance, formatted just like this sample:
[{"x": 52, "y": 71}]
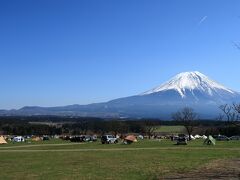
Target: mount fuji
[{"x": 187, "y": 89}]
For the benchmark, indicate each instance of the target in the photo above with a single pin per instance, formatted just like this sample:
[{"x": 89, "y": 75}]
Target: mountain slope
[
  {"x": 191, "y": 89},
  {"x": 193, "y": 81}
]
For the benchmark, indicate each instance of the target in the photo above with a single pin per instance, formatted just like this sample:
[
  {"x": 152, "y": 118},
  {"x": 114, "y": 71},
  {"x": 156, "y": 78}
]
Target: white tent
[
  {"x": 140, "y": 137},
  {"x": 192, "y": 137},
  {"x": 197, "y": 136}
]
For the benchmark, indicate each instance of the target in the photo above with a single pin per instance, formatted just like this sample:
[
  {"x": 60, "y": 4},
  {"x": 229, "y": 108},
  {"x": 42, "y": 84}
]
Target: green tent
[{"x": 210, "y": 141}]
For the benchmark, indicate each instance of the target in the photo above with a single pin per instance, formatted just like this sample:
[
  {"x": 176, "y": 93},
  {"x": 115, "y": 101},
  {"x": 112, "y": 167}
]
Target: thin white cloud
[
  {"x": 237, "y": 45},
  {"x": 202, "y": 20}
]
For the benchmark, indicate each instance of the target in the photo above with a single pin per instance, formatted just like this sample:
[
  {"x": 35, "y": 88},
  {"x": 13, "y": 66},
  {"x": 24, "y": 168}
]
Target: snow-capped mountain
[
  {"x": 191, "y": 81},
  {"x": 195, "y": 86},
  {"x": 192, "y": 89}
]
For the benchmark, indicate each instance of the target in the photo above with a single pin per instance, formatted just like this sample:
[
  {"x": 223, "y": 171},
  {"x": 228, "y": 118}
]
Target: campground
[{"x": 146, "y": 159}]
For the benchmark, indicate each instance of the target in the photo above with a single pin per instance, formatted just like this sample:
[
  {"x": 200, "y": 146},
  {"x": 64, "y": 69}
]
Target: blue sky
[{"x": 55, "y": 52}]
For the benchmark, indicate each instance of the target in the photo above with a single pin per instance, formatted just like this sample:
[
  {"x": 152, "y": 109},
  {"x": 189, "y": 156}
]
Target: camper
[{"x": 18, "y": 139}]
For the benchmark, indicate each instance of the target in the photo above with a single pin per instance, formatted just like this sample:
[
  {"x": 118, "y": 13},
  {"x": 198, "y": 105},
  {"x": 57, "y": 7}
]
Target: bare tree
[
  {"x": 236, "y": 108},
  {"x": 186, "y": 116},
  {"x": 227, "y": 112},
  {"x": 117, "y": 127},
  {"x": 149, "y": 128},
  {"x": 231, "y": 113},
  {"x": 220, "y": 117}
]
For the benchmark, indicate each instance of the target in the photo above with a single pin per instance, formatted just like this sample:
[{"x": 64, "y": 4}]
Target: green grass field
[
  {"x": 171, "y": 129},
  {"x": 148, "y": 159}
]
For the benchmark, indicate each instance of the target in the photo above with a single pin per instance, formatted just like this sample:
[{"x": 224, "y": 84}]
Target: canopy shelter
[
  {"x": 210, "y": 141},
  {"x": 2, "y": 140}
]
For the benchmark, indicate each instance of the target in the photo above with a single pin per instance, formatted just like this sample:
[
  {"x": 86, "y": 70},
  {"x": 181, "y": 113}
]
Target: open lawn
[
  {"x": 148, "y": 159},
  {"x": 171, "y": 129}
]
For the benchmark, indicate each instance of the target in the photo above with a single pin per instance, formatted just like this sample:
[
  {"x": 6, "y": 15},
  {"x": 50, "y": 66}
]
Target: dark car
[
  {"x": 76, "y": 138},
  {"x": 87, "y": 138},
  {"x": 222, "y": 138},
  {"x": 65, "y": 138},
  {"x": 46, "y": 138},
  {"x": 182, "y": 139},
  {"x": 235, "y": 138}
]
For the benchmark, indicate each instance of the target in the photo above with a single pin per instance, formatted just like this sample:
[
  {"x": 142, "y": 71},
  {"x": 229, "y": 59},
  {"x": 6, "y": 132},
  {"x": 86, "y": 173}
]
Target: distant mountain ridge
[{"x": 192, "y": 89}]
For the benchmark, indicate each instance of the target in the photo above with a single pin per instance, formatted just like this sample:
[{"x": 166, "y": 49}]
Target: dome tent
[
  {"x": 130, "y": 139},
  {"x": 2, "y": 140},
  {"x": 210, "y": 141}
]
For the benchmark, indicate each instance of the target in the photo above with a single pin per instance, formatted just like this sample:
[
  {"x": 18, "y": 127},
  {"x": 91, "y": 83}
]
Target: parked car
[
  {"x": 182, "y": 139},
  {"x": 235, "y": 138},
  {"x": 109, "y": 139},
  {"x": 66, "y": 138},
  {"x": 76, "y": 138},
  {"x": 94, "y": 138},
  {"x": 45, "y": 138},
  {"x": 174, "y": 138},
  {"x": 222, "y": 138},
  {"x": 87, "y": 138},
  {"x": 18, "y": 139}
]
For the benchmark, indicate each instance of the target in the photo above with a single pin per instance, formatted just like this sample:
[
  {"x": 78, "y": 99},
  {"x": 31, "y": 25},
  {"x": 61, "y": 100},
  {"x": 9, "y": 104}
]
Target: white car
[
  {"x": 109, "y": 139},
  {"x": 18, "y": 139}
]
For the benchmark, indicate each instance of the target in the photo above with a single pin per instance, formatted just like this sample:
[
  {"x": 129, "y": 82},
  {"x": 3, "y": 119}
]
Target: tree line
[
  {"x": 52, "y": 125},
  {"x": 228, "y": 123}
]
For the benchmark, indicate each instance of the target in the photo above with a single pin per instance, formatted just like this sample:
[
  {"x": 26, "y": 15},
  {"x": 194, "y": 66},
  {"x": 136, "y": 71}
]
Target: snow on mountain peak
[{"x": 190, "y": 81}]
